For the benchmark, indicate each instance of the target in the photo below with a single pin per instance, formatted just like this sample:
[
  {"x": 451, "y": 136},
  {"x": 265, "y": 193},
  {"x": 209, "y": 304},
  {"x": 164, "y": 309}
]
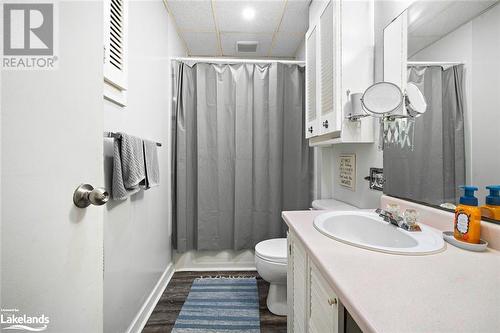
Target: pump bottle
[
  {"x": 467, "y": 226},
  {"x": 492, "y": 207}
]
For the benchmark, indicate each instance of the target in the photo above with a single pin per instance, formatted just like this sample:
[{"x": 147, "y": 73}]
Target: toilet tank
[{"x": 331, "y": 204}]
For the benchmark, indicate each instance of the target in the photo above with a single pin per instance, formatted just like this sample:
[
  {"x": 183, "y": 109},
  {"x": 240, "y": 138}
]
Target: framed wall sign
[{"x": 347, "y": 171}]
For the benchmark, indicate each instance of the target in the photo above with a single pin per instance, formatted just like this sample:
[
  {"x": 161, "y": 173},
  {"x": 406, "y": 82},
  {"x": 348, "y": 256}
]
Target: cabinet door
[
  {"x": 396, "y": 51},
  {"x": 357, "y": 65},
  {"x": 289, "y": 284},
  {"x": 312, "y": 94},
  {"x": 300, "y": 287},
  {"x": 323, "y": 316},
  {"x": 329, "y": 65}
]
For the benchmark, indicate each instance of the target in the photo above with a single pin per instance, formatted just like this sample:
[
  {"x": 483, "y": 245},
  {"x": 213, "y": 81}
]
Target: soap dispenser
[
  {"x": 467, "y": 226},
  {"x": 492, "y": 207}
]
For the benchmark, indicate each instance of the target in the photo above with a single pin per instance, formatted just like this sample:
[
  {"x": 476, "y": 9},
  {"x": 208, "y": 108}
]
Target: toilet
[
  {"x": 271, "y": 260},
  {"x": 271, "y": 263}
]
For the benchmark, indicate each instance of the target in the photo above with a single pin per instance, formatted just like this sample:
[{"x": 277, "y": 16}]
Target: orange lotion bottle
[
  {"x": 492, "y": 207},
  {"x": 467, "y": 226}
]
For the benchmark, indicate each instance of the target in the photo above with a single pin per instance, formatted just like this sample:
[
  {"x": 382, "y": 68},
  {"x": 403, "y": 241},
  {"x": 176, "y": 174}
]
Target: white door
[{"x": 51, "y": 140}]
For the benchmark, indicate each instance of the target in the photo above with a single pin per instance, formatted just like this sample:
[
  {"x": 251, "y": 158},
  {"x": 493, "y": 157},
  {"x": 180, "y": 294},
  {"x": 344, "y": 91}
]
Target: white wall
[
  {"x": 137, "y": 231},
  {"x": 301, "y": 51},
  {"x": 477, "y": 45}
]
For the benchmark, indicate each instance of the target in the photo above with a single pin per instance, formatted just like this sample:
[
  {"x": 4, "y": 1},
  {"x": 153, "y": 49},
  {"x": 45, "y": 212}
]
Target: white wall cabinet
[
  {"x": 339, "y": 61},
  {"x": 312, "y": 94},
  {"x": 313, "y": 306}
]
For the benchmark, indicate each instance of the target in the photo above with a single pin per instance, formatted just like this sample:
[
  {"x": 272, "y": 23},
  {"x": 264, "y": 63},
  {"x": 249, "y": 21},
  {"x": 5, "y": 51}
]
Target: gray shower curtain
[
  {"x": 433, "y": 169},
  {"x": 240, "y": 155}
]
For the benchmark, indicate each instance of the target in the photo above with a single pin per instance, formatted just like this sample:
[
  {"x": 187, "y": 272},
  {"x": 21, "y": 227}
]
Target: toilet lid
[{"x": 272, "y": 250}]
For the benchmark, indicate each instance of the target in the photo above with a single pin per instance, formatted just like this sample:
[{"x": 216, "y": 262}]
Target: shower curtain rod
[
  {"x": 236, "y": 60},
  {"x": 432, "y": 63}
]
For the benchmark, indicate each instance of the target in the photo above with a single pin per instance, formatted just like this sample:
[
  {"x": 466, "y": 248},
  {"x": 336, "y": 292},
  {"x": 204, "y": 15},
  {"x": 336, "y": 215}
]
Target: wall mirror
[{"x": 450, "y": 50}]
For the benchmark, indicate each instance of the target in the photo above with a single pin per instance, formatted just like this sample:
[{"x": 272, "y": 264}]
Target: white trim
[
  {"x": 217, "y": 269},
  {"x": 147, "y": 308},
  {"x": 236, "y": 60},
  {"x": 226, "y": 260}
]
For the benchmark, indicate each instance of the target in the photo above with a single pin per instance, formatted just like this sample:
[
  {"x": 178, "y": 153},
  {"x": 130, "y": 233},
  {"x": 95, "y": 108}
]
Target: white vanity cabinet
[
  {"x": 297, "y": 287},
  {"x": 324, "y": 305},
  {"x": 313, "y": 306},
  {"x": 339, "y": 61}
]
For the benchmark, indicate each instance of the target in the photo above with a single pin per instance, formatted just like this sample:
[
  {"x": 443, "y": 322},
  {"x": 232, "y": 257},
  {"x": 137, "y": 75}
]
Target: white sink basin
[{"x": 369, "y": 231}]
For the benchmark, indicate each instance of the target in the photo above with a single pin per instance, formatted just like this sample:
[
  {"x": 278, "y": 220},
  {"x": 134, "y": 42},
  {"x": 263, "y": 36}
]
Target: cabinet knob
[
  {"x": 332, "y": 301},
  {"x": 325, "y": 124},
  {"x": 310, "y": 129}
]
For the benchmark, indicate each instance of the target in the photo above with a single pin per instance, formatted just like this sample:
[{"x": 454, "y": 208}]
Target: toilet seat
[{"x": 273, "y": 250}]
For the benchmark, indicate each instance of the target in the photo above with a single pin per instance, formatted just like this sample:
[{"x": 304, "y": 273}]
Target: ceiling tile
[
  {"x": 296, "y": 17},
  {"x": 229, "y": 40},
  {"x": 286, "y": 44},
  {"x": 192, "y": 15},
  {"x": 201, "y": 43},
  {"x": 230, "y": 18}
]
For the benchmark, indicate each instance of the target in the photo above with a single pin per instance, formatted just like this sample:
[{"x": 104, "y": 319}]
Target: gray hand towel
[
  {"x": 128, "y": 166},
  {"x": 152, "y": 166}
]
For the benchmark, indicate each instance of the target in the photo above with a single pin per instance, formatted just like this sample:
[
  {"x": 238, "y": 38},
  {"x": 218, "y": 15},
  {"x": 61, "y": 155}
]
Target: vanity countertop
[{"x": 452, "y": 291}]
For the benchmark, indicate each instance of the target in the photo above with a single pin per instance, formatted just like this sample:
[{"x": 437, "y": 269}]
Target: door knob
[
  {"x": 325, "y": 124},
  {"x": 86, "y": 194},
  {"x": 310, "y": 129}
]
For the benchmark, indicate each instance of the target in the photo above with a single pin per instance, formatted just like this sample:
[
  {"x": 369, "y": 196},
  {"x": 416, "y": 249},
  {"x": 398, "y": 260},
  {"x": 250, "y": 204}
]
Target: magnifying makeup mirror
[
  {"x": 385, "y": 98},
  {"x": 415, "y": 102},
  {"x": 382, "y": 98}
]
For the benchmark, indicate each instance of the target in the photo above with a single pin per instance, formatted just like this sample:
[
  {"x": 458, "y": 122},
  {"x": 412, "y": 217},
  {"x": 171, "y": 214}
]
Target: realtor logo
[
  {"x": 28, "y": 36},
  {"x": 30, "y": 28},
  {"x": 14, "y": 319}
]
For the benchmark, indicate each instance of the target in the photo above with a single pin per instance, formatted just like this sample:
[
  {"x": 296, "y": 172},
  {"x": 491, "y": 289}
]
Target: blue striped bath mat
[{"x": 220, "y": 305}]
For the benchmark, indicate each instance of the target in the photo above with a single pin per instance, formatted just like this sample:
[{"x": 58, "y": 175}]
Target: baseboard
[
  {"x": 226, "y": 260},
  {"x": 147, "y": 308}
]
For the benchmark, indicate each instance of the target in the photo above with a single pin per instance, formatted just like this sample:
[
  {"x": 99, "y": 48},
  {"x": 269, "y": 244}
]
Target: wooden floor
[{"x": 163, "y": 317}]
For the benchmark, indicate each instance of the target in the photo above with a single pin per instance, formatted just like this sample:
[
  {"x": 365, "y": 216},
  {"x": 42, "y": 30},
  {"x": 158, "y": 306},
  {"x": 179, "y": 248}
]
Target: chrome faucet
[
  {"x": 396, "y": 220},
  {"x": 390, "y": 217}
]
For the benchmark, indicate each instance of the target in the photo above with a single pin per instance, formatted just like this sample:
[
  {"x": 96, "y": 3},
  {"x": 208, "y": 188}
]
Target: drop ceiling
[{"x": 213, "y": 27}]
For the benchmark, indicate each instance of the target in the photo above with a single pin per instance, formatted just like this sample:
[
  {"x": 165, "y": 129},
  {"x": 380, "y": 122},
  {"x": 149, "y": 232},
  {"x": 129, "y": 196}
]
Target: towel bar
[{"x": 118, "y": 136}]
